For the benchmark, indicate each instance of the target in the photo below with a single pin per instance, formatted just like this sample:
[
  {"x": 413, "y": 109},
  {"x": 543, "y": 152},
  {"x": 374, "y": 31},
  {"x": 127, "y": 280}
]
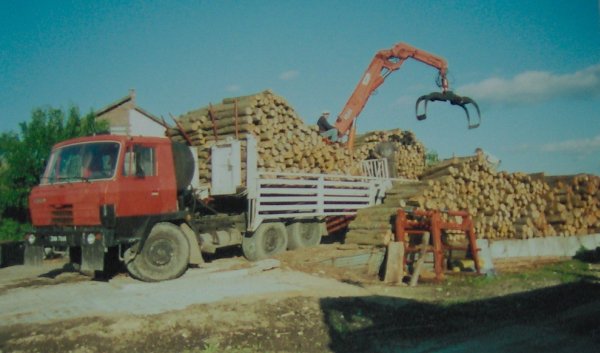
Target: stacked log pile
[
  {"x": 573, "y": 203},
  {"x": 502, "y": 205},
  {"x": 285, "y": 143},
  {"x": 410, "y": 153},
  {"x": 373, "y": 225}
]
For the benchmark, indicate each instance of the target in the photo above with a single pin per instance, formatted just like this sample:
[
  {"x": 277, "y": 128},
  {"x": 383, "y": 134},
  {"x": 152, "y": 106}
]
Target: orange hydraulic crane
[{"x": 384, "y": 63}]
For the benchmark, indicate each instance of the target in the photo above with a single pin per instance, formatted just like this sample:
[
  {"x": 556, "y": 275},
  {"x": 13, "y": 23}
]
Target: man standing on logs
[
  {"x": 326, "y": 129},
  {"x": 386, "y": 149},
  {"x": 492, "y": 161}
]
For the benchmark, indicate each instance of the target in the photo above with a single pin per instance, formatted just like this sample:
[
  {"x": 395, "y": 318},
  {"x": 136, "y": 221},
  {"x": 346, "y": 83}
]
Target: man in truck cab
[{"x": 98, "y": 162}]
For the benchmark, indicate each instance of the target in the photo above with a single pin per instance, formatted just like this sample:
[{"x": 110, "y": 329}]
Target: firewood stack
[
  {"x": 410, "y": 153},
  {"x": 573, "y": 203},
  {"x": 503, "y": 205},
  {"x": 285, "y": 143},
  {"x": 373, "y": 225}
]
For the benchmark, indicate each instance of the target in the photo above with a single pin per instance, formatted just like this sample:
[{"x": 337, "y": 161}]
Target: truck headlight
[
  {"x": 30, "y": 239},
  {"x": 91, "y": 238}
]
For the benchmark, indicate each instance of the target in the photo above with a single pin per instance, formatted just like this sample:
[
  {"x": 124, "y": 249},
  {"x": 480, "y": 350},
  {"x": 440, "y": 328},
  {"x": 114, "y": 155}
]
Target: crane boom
[{"x": 383, "y": 64}]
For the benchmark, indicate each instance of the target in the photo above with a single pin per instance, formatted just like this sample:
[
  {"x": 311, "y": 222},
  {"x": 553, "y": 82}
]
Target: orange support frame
[{"x": 417, "y": 222}]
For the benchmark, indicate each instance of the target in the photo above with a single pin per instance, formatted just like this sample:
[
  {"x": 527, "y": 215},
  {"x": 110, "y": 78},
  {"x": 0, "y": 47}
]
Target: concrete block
[
  {"x": 541, "y": 247},
  {"x": 551, "y": 246},
  {"x": 497, "y": 249},
  {"x": 590, "y": 242},
  {"x": 571, "y": 245},
  {"x": 485, "y": 256},
  {"x": 525, "y": 248}
]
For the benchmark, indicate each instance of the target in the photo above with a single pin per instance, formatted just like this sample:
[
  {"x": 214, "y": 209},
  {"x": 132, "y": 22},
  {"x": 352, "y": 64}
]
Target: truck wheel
[
  {"x": 165, "y": 255},
  {"x": 303, "y": 235},
  {"x": 269, "y": 239}
]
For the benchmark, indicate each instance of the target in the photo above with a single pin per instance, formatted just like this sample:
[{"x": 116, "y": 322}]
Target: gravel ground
[
  {"x": 32, "y": 295},
  {"x": 289, "y": 305}
]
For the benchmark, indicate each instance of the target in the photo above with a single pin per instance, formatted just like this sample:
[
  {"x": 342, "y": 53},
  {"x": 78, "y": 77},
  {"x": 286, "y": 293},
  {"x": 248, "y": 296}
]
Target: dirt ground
[{"x": 297, "y": 303}]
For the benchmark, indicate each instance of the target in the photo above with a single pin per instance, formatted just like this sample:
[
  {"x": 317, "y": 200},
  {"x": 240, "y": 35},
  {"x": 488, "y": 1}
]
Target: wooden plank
[
  {"x": 288, "y": 199},
  {"x": 351, "y": 184},
  {"x": 359, "y": 199},
  {"x": 285, "y": 208},
  {"x": 394, "y": 266},
  {"x": 349, "y": 192},
  {"x": 287, "y": 191},
  {"x": 272, "y": 183},
  {"x": 419, "y": 265}
]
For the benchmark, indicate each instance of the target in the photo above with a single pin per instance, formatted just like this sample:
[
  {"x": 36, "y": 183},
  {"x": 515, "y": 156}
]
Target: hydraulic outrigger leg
[{"x": 454, "y": 99}]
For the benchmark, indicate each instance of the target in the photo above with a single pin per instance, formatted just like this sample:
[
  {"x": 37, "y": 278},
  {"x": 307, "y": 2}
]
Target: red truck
[{"x": 133, "y": 200}]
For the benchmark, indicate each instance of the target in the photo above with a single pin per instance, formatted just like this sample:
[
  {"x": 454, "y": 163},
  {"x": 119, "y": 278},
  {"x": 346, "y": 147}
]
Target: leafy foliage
[
  {"x": 431, "y": 158},
  {"x": 12, "y": 230},
  {"x": 23, "y": 155}
]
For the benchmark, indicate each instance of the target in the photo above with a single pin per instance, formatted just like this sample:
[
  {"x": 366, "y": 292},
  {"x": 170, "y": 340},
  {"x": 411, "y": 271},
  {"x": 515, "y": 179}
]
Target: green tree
[
  {"x": 23, "y": 155},
  {"x": 431, "y": 158}
]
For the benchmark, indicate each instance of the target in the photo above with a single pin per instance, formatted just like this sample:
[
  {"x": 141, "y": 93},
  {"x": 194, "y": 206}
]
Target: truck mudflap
[
  {"x": 92, "y": 258},
  {"x": 33, "y": 255}
]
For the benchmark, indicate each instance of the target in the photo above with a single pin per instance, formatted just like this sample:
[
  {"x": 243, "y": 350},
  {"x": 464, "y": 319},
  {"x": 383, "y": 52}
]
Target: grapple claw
[{"x": 452, "y": 98}]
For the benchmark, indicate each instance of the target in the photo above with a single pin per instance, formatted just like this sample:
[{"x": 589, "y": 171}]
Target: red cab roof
[{"x": 113, "y": 138}]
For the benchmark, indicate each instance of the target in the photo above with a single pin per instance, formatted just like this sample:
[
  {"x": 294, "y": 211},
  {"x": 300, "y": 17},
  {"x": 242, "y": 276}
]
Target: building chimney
[{"x": 132, "y": 94}]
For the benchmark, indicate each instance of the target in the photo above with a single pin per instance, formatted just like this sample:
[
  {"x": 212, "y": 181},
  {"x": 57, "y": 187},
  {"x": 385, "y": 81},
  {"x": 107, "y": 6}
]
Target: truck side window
[{"x": 139, "y": 161}]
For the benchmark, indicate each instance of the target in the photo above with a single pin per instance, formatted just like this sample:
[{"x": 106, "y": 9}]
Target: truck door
[{"x": 141, "y": 189}]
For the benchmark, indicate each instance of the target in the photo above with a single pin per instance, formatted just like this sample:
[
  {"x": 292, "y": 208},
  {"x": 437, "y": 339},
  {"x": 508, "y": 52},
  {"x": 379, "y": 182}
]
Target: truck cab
[{"x": 101, "y": 194}]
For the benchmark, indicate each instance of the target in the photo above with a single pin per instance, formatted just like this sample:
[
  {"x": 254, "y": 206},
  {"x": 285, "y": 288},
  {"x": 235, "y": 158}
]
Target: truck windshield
[{"x": 82, "y": 162}]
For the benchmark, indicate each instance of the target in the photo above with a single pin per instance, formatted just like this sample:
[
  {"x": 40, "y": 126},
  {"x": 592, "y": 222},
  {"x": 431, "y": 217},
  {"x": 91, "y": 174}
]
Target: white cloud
[
  {"x": 520, "y": 148},
  {"x": 536, "y": 86},
  {"x": 585, "y": 145},
  {"x": 289, "y": 75},
  {"x": 403, "y": 101},
  {"x": 233, "y": 88}
]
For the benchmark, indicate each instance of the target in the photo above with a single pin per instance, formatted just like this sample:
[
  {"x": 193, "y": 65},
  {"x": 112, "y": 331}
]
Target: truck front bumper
[
  {"x": 93, "y": 242},
  {"x": 70, "y": 237}
]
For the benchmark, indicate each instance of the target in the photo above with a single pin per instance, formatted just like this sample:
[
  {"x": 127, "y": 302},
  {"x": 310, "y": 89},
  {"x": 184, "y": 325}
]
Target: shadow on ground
[{"x": 565, "y": 318}]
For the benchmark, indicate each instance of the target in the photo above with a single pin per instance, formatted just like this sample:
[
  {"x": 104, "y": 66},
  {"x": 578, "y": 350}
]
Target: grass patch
[{"x": 461, "y": 288}]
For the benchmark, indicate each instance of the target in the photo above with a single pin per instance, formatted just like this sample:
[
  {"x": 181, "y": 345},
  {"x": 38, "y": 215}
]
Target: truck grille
[{"x": 62, "y": 215}]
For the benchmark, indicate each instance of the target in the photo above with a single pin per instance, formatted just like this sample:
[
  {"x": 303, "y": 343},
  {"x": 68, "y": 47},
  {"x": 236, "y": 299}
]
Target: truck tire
[
  {"x": 303, "y": 234},
  {"x": 268, "y": 240},
  {"x": 165, "y": 255}
]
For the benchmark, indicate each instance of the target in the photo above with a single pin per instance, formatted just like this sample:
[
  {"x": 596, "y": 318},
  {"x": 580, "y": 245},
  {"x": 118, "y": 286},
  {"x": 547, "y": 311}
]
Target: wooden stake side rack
[{"x": 435, "y": 222}]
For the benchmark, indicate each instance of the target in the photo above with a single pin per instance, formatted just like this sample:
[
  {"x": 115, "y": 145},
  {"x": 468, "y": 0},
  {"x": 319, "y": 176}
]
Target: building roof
[{"x": 129, "y": 99}]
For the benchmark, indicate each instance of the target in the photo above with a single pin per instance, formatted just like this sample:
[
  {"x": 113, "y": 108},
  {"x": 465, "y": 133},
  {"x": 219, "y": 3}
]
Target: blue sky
[{"x": 533, "y": 66}]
